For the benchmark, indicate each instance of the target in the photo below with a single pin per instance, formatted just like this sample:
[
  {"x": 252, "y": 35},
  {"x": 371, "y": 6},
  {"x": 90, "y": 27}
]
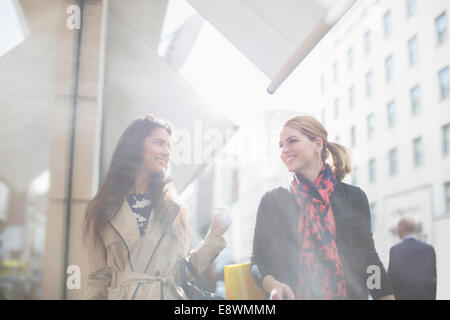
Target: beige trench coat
[{"x": 116, "y": 267}]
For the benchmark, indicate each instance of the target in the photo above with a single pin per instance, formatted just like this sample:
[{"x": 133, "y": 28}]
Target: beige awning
[{"x": 276, "y": 35}]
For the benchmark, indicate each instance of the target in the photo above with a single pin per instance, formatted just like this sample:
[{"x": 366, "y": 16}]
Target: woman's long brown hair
[{"x": 120, "y": 179}]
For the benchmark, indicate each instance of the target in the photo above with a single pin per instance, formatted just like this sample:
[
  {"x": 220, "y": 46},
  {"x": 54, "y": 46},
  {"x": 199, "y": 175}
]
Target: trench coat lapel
[
  {"x": 125, "y": 224},
  {"x": 164, "y": 213}
]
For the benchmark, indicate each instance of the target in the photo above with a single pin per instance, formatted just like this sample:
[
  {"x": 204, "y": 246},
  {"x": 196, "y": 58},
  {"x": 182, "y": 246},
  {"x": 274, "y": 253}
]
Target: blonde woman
[
  {"x": 135, "y": 229},
  {"x": 313, "y": 237}
]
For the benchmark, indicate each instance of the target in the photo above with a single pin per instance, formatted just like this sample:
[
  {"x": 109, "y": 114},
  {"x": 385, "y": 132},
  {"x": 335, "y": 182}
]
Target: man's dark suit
[{"x": 412, "y": 270}]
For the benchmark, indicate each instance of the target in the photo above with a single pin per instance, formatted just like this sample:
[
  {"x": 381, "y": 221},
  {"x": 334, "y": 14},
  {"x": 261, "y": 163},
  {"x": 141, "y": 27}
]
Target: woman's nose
[{"x": 166, "y": 151}]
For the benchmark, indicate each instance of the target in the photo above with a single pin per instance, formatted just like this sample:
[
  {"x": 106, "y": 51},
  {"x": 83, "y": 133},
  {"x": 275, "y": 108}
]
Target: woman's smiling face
[
  {"x": 297, "y": 151},
  {"x": 157, "y": 151}
]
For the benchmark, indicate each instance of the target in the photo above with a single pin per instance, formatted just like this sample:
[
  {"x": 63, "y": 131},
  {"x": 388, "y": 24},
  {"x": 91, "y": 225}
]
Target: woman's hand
[
  {"x": 278, "y": 290},
  {"x": 220, "y": 223}
]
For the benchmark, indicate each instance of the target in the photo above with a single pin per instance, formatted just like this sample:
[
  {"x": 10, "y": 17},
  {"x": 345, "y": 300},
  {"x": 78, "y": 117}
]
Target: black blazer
[
  {"x": 412, "y": 270},
  {"x": 276, "y": 248}
]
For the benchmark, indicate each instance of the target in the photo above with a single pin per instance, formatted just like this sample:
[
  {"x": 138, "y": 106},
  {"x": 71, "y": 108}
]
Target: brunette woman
[{"x": 135, "y": 228}]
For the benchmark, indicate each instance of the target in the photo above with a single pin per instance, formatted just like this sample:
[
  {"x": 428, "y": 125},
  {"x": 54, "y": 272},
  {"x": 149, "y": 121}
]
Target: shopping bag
[{"x": 239, "y": 283}]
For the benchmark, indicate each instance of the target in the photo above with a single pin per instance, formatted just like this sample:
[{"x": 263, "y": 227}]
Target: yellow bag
[{"x": 239, "y": 283}]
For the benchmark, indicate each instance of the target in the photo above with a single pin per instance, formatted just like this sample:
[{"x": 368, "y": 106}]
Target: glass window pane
[
  {"x": 393, "y": 162},
  {"x": 413, "y": 50},
  {"x": 354, "y": 176},
  {"x": 415, "y": 99},
  {"x": 387, "y": 23},
  {"x": 372, "y": 171},
  {"x": 446, "y": 139},
  {"x": 369, "y": 80},
  {"x": 447, "y": 197},
  {"x": 367, "y": 42},
  {"x": 391, "y": 113},
  {"x": 441, "y": 28},
  {"x": 370, "y": 125},
  {"x": 350, "y": 57},
  {"x": 418, "y": 152},
  {"x": 373, "y": 216},
  {"x": 351, "y": 96},
  {"x": 410, "y": 7},
  {"x": 389, "y": 68},
  {"x": 444, "y": 82}
]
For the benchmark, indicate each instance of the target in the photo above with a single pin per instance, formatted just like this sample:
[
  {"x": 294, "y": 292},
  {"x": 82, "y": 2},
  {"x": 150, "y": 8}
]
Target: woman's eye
[{"x": 292, "y": 141}]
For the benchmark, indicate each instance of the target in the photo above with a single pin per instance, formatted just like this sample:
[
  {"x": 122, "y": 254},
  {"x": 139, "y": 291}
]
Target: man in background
[{"x": 412, "y": 265}]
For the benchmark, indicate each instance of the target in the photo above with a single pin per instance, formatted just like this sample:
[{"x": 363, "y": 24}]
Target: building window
[
  {"x": 350, "y": 58},
  {"x": 418, "y": 152},
  {"x": 335, "y": 72},
  {"x": 393, "y": 162},
  {"x": 413, "y": 50},
  {"x": 447, "y": 197},
  {"x": 337, "y": 139},
  {"x": 336, "y": 108},
  {"x": 446, "y": 139},
  {"x": 410, "y": 7},
  {"x": 367, "y": 42},
  {"x": 370, "y": 125},
  {"x": 369, "y": 80},
  {"x": 415, "y": 99},
  {"x": 353, "y": 136},
  {"x": 372, "y": 171},
  {"x": 441, "y": 28},
  {"x": 389, "y": 68},
  {"x": 323, "y": 116},
  {"x": 351, "y": 96},
  {"x": 391, "y": 113},
  {"x": 444, "y": 82},
  {"x": 387, "y": 24},
  {"x": 354, "y": 176},
  {"x": 373, "y": 216}
]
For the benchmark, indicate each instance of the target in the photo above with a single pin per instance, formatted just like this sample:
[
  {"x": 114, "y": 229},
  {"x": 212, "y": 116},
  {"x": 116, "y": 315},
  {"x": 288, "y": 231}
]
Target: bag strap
[
  {"x": 188, "y": 286},
  {"x": 194, "y": 272}
]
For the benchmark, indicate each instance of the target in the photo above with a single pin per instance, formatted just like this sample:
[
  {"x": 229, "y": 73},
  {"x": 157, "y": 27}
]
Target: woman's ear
[{"x": 319, "y": 144}]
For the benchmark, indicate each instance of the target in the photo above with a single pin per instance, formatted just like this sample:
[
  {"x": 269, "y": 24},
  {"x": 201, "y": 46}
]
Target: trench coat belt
[{"x": 120, "y": 278}]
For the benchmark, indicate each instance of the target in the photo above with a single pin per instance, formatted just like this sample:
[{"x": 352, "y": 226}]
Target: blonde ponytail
[{"x": 341, "y": 160}]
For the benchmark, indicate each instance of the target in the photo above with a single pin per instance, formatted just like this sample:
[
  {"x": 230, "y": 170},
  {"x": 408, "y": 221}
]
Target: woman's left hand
[{"x": 219, "y": 224}]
